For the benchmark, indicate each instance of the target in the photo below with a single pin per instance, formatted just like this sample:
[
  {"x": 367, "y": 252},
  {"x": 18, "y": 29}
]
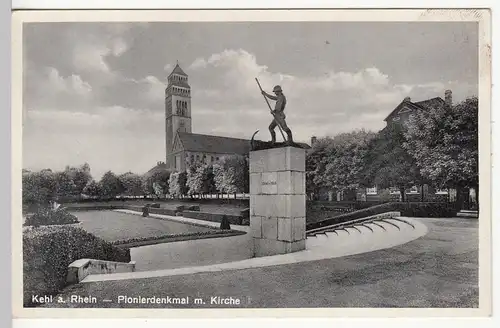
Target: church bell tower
[{"x": 177, "y": 110}]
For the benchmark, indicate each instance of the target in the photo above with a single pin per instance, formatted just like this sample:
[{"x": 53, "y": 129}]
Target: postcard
[{"x": 214, "y": 163}]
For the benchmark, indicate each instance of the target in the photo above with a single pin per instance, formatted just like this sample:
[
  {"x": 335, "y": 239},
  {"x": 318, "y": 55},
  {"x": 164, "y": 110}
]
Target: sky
[{"x": 94, "y": 92}]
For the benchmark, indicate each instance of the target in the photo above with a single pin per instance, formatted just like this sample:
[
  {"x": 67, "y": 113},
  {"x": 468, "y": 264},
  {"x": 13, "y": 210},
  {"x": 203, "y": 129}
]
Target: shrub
[
  {"x": 432, "y": 210},
  {"x": 213, "y": 217},
  {"x": 224, "y": 223},
  {"x": 47, "y": 252},
  {"x": 47, "y": 216}
]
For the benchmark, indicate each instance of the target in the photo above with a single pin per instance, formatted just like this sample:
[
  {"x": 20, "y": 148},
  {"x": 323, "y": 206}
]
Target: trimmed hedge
[
  {"x": 213, "y": 217},
  {"x": 407, "y": 209},
  {"x": 350, "y": 205},
  {"x": 47, "y": 216},
  {"x": 193, "y": 208},
  {"x": 49, "y": 250},
  {"x": 93, "y": 207},
  {"x": 432, "y": 210}
]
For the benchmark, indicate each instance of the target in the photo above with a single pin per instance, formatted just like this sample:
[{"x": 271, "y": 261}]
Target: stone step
[
  {"x": 365, "y": 228},
  {"x": 468, "y": 215},
  {"x": 469, "y": 211}
]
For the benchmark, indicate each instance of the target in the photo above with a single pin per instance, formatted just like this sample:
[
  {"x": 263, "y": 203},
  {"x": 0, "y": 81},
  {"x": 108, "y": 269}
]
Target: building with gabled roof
[
  {"x": 400, "y": 115},
  {"x": 406, "y": 108}
]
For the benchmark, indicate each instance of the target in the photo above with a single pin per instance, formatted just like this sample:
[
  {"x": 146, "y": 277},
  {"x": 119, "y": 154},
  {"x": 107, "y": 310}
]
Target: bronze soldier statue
[{"x": 278, "y": 113}]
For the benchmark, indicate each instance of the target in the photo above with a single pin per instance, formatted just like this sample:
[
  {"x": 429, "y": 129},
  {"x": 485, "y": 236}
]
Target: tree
[
  {"x": 65, "y": 185},
  {"x": 80, "y": 176},
  {"x": 177, "y": 184},
  {"x": 159, "y": 180},
  {"x": 93, "y": 189},
  {"x": 389, "y": 164},
  {"x": 444, "y": 143},
  {"x": 132, "y": 184},
  {"x": 194, "y": 179},
  {"x": 39, "y": 187},
  {"x": 345, "y": 160},
  {"x": 315, "y": 167},
  {"x": 231, "y": 174},
  {"x": 110, "y": 185},
  {"x": 200, "y": 179}
]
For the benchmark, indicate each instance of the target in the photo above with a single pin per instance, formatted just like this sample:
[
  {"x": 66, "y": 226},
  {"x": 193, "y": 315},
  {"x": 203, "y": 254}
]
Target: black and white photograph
[{"x": 172, "y": 163}]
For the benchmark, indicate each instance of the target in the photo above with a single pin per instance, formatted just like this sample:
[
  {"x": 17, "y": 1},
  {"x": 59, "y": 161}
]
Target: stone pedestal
[{"x": 278, "y": 200}]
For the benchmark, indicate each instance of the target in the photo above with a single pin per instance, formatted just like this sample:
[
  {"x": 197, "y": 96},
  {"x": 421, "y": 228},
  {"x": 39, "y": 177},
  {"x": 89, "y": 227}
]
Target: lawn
[{"x": 113, "y": 226}]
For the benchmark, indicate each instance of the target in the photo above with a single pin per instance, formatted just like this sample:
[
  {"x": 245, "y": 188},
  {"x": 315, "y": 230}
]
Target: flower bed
[{"x": 136, "y": 242}]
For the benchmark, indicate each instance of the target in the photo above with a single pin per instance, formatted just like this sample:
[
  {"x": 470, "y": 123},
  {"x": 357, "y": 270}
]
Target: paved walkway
[
  {"x": 439, "y": 269},
  {"x": 191, "y": 257},
  {"x": 190, "y": 253}
]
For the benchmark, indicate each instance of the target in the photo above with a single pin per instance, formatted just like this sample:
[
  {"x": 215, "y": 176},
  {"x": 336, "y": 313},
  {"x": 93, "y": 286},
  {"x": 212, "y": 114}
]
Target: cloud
[
  {"x": 119, "y": 47},
  {"x": 47, "y": 88},
  {"x": 72, "y": 84},
  {"x": 91, "y": 57},
  {"x": 330, "y": 103},
  {"x": 168, "y": 68}
]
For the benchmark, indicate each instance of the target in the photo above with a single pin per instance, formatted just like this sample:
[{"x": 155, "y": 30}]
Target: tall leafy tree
[
  {"x": 39, "y": 187},
  {"x": 111, "y": 185},
  {"x": 315, "y": 167},
  {"x": 389, "y": 164},
  {"x": 231, "y": 174},
  {"x": 200, "y": 179},
  {"x": 93, "y": 189},
  {"x": 444, "y": 143},
  {"x": 132, "y": 184},
  {"x": 177, "y": 184},
  {"x": 345, "y": 160},
  {"x": 194, "y": 179},
  {"x": 65, "y": 184},
  {"x": 158, "y": 180}
]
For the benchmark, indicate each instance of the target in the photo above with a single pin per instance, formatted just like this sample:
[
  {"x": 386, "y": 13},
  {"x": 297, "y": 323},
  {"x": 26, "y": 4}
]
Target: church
[{"x": 182, "y": 145}]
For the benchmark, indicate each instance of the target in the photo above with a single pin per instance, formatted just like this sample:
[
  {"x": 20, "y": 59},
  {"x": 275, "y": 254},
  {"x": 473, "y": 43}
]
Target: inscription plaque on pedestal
[{"x": 277, "y": 200}]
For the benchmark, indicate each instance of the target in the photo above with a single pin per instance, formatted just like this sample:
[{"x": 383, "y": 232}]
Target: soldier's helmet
[{"x": 277, "y": 89}]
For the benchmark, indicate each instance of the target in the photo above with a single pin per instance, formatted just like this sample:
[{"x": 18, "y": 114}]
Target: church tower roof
[{"x": 178, "y": 70}]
